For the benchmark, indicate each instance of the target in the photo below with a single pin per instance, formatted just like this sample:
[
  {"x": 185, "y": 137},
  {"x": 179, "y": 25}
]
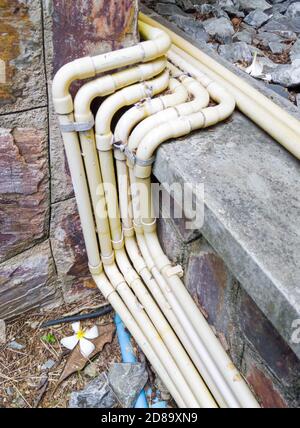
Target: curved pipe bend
[
  {"x": 157, "y": 44},
  {"x": 149, "y": 107},
  {"x": 110, "y": 83},
  {"x": 201, "y": 99}
]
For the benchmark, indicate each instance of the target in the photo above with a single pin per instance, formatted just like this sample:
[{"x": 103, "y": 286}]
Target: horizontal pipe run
[
  {"x": 83, "y": 68},
  {"x": 282, "y": 126}
]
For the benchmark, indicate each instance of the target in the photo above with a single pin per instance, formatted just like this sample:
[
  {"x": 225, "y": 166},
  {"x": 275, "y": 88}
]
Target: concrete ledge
[{"x": 252, "y": 203}]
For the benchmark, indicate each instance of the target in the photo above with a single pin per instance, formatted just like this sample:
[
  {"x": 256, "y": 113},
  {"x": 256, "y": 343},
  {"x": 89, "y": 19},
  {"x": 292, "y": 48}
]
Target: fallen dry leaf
[{"x": 77, "y": 361}]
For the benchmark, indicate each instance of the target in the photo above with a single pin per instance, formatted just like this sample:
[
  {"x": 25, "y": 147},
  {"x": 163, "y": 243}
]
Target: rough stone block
[
  {"x": 267, "y": 342},
  {"x": 27, "y": 281},
  {"x": 69, "y": 251},
  {"x": 265, "y": 387},
  {"x": 74, "y": 30},
  {"x": 213, "y": 288},
  {"x": 21, "y": 50},
  {"x": 127, "y": 380},
  {"x": 24, "y": 189},
  {"x": 97, "y": 394}
]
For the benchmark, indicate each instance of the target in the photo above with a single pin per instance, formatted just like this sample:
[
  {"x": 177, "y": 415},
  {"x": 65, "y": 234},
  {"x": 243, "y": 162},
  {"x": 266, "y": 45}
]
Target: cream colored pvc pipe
[
  {"x": 86, "y": 67},
  {"x": 282, "y": 126},
  {"x": 95, "y": 185},
  {"x": 130, "y": 275},
  {"x": 212, "y": 115},
  {"x": 201, "y": 99},
  {"x": 82, "y": 105},
  {"x": 81, "y": 69},
  {"x": 110, "y": 83},
  {"x": 214, "y": 380},
  {"x": 158, "y": 287},
  {"x": 114, "y": 299},
  {"x": 183, "y": 120},
  {"x": 104, "y": 115},
  {"x": 63, "y": 103},
  {"x": 134, "y": 115},
  {"x": 141, "y": 267},
  {"x": 148, "y": 329}
]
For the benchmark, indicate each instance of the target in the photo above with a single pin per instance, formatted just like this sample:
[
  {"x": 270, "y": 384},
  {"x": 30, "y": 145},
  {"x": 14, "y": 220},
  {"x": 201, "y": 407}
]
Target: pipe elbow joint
[{"x": 79, "y": 69}]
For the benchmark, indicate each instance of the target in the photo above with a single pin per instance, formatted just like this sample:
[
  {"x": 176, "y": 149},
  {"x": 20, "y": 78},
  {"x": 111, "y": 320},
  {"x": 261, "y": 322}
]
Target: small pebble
[
  {"x": 2, "y": 332},
  {"x": 9, "y": 391},
  {"x": 91, "y": 370},
  {"x": 48, "y": 365},
  {"x": 15, "y": 345}
]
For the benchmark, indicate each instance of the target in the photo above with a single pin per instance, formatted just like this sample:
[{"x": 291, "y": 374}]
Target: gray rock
[
  {"x": 298, "y": 100},
  {"x": 164, "y": 393},
  {"x": 127, "y": 380},
  {"x": 219, "y": 28},
  {"x": 19, "y": 402},
  {"x": 211, "y": 9},
  {"x": 91, "y": 370},
  {"x": 256, "y": 18},
  {"x": 276, "y": 47},
  {"x": 265, "y": 38},
  {"x": 2, "y": 332},
  {"x": 282, "y": 25},
  {"x": 9, "y": 391},
  {"x": 186, "y": 5},
  {"x": 287, "y": 75},
  {"x": 15, "y": 345},
  {"x": 168, "y": 9},
  {"x": 254, "y": 4},
  {"x": 293, "y": 11},
  {"x": 295, "y": 51},
  {"x": 283, "y": 92},
  {"x": 243, "y": 36},
  {"x": 236, "y": 52},
  {"x": 48, "y": 365},
  {"x": 268, "y": 65},
  {"x": 192, "y": 27},
  {"x": 97, "y": 394}
]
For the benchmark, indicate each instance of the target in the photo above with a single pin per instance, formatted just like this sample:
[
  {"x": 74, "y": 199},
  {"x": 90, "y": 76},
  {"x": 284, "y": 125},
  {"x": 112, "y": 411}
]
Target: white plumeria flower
[{"x": 81, "y": 336}]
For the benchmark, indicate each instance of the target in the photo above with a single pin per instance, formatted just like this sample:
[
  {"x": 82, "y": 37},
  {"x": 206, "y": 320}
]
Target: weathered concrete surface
[
  {"x": 252, "y": 205},
  {"x": 27, "y": 281},
  {"x": 251, "y": 209},
  {"x": 21, "y": 48},
  {"x": 24, "y": 188},
  {"x": 69, "y": 252}
]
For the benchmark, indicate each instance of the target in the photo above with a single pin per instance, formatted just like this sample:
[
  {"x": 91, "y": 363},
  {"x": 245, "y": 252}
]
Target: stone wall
[
  {"x": 266, "y": 361},
  {"x": 42, "y": 257}
]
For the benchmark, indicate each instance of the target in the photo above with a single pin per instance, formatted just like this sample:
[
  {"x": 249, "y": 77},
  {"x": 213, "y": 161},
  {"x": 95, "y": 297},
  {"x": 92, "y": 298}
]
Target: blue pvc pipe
[{"x": 128, "y": 356}]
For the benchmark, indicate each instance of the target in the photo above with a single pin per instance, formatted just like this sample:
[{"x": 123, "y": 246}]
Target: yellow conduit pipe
[
  {"x": 144, "y": 265},
  {"x": 117, "y": 303},
  {"x": 103, "y": 118},
  {"x": 108, "y": 84},
  {"x": 83, "y": 68},
  {"x": 282, "y": 126},
  {"x": 64, "y": 106},
  {"x": 206, "y": 117},
  {"x": 116, "y": 278},
  {"x": 82, "y": 105},
  {"x": 211, "y": 374},
  {"x": 201, "y": 99},
  {"x": 134, "y": 115}
]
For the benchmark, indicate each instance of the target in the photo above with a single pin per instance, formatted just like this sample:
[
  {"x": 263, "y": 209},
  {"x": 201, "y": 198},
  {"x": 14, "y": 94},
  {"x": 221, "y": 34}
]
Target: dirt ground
[{"x": 23, "y": 380}]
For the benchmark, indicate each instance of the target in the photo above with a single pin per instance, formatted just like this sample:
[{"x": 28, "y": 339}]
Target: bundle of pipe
[{"x": 124, "y": 253}]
